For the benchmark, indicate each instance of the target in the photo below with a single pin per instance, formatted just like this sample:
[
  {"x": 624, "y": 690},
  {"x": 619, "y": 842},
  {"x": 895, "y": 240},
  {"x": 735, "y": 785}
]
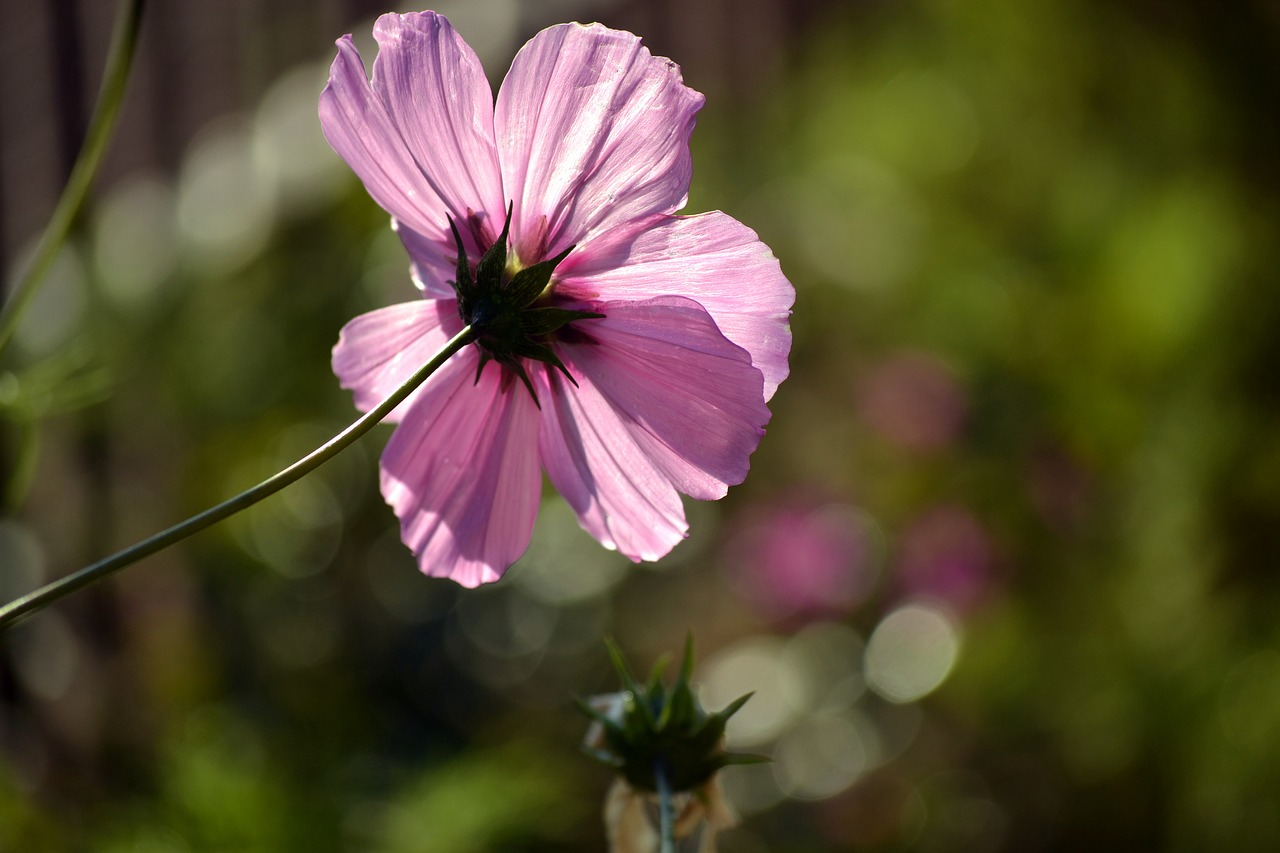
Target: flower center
[{"x": 506, "y": 308}]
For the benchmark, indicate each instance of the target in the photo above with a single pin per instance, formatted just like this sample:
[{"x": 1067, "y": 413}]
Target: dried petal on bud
[{"x": 629, "y": 818}]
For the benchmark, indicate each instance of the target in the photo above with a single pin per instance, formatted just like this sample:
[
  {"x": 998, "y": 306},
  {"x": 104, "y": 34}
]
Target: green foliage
[{"x": 494, "y": 798}]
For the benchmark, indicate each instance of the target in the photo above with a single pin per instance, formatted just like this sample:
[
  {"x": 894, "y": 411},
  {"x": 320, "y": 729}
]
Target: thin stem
[
  {"x": 110, "y": 96},
  {"x": 30, "y": 603},
  {"x": 666, "y": 810}
]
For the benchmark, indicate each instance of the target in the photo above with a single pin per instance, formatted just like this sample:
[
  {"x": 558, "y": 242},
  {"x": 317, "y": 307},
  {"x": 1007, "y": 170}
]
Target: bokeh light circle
[{"x": 911, "y": 652}]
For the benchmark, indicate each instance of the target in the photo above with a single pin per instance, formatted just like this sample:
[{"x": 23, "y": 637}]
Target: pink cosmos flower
[{"x": 626, "y": 351}]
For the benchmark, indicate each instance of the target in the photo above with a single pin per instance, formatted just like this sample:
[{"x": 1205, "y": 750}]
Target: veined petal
[
  {"x": 711, "y": 258},
  {"x": 620, "y": 496},
  {"x": 461, "y": 473},
  {"x": 436, "y": 94},
  {"x": 357, "y": 126},
  {"x": 688, "y": 396},
  {"x": 431, "y": 262},
  {"x": 377, "y": 352},
  {"x": 420, "y": 136},
  {"x": 593, "y": 131}
]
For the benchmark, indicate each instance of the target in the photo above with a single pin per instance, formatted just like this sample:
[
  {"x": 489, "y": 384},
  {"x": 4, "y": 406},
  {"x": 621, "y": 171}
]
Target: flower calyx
[
  {"x": 651, "y": 728},
  {"x": 507, "y": 309}
]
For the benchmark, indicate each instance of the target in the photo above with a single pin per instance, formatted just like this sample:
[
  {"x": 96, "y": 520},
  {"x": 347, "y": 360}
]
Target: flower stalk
[
  {"x": 666, "y": 810},
  {"x": 124, "y": 40},
  {"x": 34, "y": 601}
]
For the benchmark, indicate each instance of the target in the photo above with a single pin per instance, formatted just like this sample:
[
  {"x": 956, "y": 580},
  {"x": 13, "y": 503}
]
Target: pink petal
[
  {"x": 620, "y": 497},
  {"x": 421, "y": 135},
  {"x": 435, "y": 92},
  {"x": 461, "y": 472},
  {"x": 710, "y": 258},
  {"x": 432, "y": 263},
  {"x": 593, "y": 131},
  {"x": 377, "y": 352},
  {"x": 687, "y": 395}
]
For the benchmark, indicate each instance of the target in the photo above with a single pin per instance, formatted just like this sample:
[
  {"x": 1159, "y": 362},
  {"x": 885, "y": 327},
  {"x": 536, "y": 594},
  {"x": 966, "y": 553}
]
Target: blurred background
[{"x": 1004, "y": 576}]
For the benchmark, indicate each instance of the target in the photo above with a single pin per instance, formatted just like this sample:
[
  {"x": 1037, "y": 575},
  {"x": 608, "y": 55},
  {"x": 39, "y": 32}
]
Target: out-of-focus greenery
[{"x": 1004, "y": 575}]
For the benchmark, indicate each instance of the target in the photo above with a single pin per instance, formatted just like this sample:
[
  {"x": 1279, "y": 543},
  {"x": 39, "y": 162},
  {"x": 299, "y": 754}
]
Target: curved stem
[
  {"x": 666, "y": 810},
  {"x": 110, "y": 96},
  {"x": 30, "y": 603}
]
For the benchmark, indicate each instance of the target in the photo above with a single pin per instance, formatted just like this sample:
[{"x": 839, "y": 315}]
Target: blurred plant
[
  {"x": 66, "y": 381},
  {"x": 661, "y": 742},
  {"x": 101, "y": 125}
]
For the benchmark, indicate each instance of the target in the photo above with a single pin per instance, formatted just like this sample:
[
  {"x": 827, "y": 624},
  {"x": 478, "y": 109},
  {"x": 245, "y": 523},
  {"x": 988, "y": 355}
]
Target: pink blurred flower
[
  {"x": 668, "y": 334},
  {"x": 802, "y": 559},
  {"x": 946, "y": 555}
]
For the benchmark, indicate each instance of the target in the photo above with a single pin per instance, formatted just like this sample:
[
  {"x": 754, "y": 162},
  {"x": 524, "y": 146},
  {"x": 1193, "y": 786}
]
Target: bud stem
[
  {"x": 666, "y": 810},
  {"x": 49, "y": 593}
]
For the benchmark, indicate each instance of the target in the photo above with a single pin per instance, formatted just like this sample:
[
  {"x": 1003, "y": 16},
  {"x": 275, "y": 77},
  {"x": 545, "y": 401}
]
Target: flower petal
[
  {"x": 357, "y": 126},
  {"x": 420, "y": 136},
  {"x": 461, "y": 472},
  {"x": 377, "y": 352},
  {"x": 593, "y": 131},
  {"x": 688, "y": 396},
  {"x": 435, "y": 92},
  {"x": 432, "y": 264},
  {"x": 711, "y": 258},
  {"x": 621, "y": 498}
]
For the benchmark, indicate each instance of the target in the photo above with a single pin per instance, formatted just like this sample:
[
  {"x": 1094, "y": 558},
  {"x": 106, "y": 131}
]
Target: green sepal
[
  {"x": 683, "y": 708},
  {"x": 463, "y": 284},
  {"x": 620, "y": 666},
  {"x": 485, "y": 358},
  {"x": 494, "y": 261},
  {"x": 545, "y": 354},
  {"x": 528, "y": 284},
  {"x": 543, "y": 321},
  {"x": 654, "y": 725},
  {"x": 518, "y": 368},
  {"x": 508, "y": 329}
]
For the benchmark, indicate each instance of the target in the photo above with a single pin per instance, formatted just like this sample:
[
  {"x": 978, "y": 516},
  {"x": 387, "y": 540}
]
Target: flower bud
[{"x": 655, "y": 736}]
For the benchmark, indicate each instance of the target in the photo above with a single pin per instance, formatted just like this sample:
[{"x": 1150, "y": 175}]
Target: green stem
[
  {"x": 30, "y": 603},
  {"x": 105, "y": 112},
  {"x": 666, "y": 810}
]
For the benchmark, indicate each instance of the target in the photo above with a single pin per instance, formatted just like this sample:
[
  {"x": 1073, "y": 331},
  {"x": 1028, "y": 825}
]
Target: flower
[{"x": 626, "y": 351}]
